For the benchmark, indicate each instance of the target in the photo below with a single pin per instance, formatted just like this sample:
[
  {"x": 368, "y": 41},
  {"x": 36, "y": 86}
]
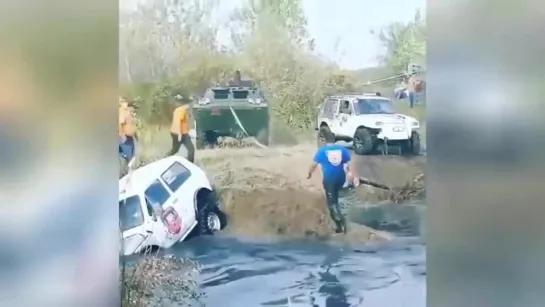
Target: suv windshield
[
  {"x": 373, "y": 106},
  {"x": 130, "y": 213}
]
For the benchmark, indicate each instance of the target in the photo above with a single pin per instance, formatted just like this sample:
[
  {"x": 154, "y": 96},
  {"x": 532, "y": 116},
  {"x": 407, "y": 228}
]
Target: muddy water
[
  {"x": 317, "y": 273},
  {"x": 246, "y": 265}
]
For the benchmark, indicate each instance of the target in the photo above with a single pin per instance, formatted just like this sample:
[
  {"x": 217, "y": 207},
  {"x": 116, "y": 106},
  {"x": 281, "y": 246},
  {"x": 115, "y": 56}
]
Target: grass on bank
[{"x": 160, "y": 280}]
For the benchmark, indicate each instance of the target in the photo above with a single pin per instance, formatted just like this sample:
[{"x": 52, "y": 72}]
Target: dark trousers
[
  {"x": 412, "y": 99},
  {"x": 127, "y": 147},
  {"x": 332, "y": 189},
  {"x": 186, "y": 141}
]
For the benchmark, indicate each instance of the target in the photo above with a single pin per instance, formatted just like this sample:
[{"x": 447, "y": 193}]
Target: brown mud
[{"x": 266, "y": 193}]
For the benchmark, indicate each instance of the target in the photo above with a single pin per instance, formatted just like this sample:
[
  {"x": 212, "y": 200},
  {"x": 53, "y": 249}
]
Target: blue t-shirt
[{"x": 332, "y": 159}]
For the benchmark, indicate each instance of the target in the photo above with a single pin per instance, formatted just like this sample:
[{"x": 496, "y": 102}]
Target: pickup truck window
[{"x": 175, "y": 176}]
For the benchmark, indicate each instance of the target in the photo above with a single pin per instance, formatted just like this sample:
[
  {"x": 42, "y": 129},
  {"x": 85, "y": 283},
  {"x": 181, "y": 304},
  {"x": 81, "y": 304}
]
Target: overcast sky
[{"x": 342, "y": 28}]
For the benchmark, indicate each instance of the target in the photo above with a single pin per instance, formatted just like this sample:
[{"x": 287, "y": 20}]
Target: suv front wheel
[
  {"x": 412, "y": 145},
  {"x": 363, "y": 141},
  {"x": 210, "y": 218}
]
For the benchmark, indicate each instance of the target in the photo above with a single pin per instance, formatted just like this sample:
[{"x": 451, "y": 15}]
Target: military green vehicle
[{"x": 239, "y": 110}]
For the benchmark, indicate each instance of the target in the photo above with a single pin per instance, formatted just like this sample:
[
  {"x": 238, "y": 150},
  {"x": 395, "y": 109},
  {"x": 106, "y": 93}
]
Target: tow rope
[{"x": 239, "y": 124}]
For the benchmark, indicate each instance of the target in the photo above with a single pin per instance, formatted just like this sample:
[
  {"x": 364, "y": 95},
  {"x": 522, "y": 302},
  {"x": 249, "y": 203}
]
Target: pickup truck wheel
[
  {"x": 211, "y": 219},
  {"x": 320, "y": 138},
  {"x": 363, "y": 141}
]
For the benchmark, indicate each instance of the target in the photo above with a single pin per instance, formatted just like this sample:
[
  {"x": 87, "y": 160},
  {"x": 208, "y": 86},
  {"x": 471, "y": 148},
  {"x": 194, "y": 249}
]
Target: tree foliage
[
  {"x": 176, "y": 47},
  {"x": 404, "y": 43}
]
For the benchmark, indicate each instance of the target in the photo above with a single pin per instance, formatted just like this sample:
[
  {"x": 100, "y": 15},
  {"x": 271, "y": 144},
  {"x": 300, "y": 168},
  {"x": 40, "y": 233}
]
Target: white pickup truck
[{"x": 161, "y": 203}]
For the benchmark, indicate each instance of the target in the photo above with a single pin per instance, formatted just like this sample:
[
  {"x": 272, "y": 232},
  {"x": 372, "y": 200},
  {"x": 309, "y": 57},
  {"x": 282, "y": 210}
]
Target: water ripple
[{"x": 236, "y": 273}]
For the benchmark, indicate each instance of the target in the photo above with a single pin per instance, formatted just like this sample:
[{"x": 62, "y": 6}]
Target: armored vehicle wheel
[
  {"x": 363, "y": 141},
  {"x": 320, "y": 139}
]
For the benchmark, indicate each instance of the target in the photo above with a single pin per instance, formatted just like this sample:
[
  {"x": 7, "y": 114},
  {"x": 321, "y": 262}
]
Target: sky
[
  {"x": 349, "y": 23},
  {"x": 341, "y": 28}
]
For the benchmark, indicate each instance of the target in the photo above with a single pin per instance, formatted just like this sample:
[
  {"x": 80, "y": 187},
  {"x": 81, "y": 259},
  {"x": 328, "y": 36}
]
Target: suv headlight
[
  {"x": 258, "y": 101},
  {"x": 415, "y": 124}
]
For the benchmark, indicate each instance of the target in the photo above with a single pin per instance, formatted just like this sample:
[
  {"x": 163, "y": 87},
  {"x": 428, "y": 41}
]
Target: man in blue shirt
[{"x": 334, "y": 161}]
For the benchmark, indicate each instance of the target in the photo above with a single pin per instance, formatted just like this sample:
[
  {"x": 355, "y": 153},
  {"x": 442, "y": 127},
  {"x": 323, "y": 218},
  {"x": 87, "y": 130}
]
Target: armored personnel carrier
[{"x": 237, "y": 110}]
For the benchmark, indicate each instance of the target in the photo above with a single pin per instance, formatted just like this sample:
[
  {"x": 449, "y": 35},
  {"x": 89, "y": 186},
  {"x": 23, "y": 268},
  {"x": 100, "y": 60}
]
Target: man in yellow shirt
[
  {"x": 127, "y": 132},
  {"x": 179, "y": 130}
]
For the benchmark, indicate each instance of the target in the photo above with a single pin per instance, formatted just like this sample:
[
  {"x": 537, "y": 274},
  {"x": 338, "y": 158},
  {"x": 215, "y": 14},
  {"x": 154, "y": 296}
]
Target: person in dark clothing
[
  {"x": 179, "y": 131},
  {"x": 333, "y": 160}
]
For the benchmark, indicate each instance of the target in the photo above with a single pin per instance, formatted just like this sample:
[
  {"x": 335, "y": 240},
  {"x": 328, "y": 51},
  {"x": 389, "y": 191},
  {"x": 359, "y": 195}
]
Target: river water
[{"x": 311, "y": 273}]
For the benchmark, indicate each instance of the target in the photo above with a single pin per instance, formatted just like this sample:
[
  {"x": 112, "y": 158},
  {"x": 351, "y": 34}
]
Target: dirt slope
[{"x": 266, "y": 193}]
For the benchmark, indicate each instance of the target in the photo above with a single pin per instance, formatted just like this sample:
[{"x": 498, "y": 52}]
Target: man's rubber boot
[
  {"x": 339, "y": 228},
  {"x": 345, "y": 229}
]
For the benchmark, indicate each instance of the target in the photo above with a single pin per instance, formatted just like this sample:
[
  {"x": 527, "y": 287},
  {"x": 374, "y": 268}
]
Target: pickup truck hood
[{"x": 387, "y": 118}]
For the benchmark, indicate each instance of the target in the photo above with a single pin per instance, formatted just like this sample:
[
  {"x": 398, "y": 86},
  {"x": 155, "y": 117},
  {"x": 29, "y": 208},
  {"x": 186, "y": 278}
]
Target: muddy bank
[
  {"x": 266, "y": 193},
  {"x": 287, "y": 213}
]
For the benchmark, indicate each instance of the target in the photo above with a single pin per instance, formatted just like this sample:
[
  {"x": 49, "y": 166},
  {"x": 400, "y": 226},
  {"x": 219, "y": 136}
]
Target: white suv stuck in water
[
  {"x": 161, "y": 203},
  {"x": 369, "y": 121}
]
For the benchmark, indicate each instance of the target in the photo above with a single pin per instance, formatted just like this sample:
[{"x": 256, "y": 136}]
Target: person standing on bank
[
  {"x": 127, "y": 132},
  {"x": 413, "y": 88},
  {"x": 179, "y": 130},
  {"x": 334, "y": 161}
]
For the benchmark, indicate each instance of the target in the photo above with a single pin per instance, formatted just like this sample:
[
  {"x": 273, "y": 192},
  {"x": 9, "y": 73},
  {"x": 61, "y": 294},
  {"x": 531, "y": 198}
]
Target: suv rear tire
[
  {"x": 363, "y": 141},
  {"x": 320, "y": 139}
]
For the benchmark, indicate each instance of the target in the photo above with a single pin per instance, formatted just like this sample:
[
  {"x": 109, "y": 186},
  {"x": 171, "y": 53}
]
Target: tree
[{"x": 403, "y": 43}]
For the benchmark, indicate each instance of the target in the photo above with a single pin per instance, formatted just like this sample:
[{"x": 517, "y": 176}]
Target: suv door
[
  {"x": 345, "y": 111},
  {"x": 334, "y": 124},
  {"x": 183, "y": 195},
  {"x": 163, "y": 202},
  {"x": 136, "y": 228},
  {"x": 328, "y": 112}
]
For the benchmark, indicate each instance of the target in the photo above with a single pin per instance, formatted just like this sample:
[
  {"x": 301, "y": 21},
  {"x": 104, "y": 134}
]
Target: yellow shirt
[
  {"x": 126, "y": 122},
  {"x": 180, "y": 120}
]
